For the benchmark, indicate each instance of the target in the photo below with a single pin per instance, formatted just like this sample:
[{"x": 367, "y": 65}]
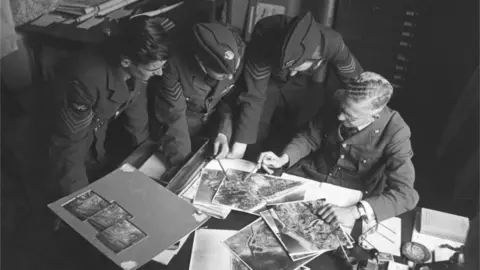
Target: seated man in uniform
[
  {"x": 198, "y": 81},
  {"x": 359, "y": 144},
  {"x": 281, "y": 58},
  {"x": 94, "y": 88}
]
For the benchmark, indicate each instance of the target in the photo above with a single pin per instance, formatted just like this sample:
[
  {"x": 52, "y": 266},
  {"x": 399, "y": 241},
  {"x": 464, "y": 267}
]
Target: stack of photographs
[
  {"x": 301, "y": 231},
  {"x": 209, "y": 182},
  {"x": 258, "y": 248},
  {"x": 288, "y": 236},
  {"x": 251, "y": 193},
  {"x": 113, "y": 223}
]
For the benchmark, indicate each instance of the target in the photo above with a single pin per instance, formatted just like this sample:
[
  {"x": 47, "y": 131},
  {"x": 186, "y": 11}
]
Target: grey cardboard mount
[{"x": 160, "y": 214}]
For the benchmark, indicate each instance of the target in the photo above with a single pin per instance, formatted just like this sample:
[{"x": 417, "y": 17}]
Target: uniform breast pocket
[{"x": 365, "y": 158}]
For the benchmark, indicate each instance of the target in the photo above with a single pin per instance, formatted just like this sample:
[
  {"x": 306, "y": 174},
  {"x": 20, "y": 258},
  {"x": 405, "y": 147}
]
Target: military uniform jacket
[
  {"x": 262, "y": 58},
  {"x": 185, "y": 87},
  {"x": 376, "y": 160},
  {"x": 92, "y": 91}
]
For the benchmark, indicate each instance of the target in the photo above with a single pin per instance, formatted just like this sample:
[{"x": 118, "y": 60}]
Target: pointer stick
[{"x": 223, "y": 169}]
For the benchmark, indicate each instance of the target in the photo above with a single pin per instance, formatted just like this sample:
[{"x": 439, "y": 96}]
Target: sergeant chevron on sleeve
[
  {"x": 281, "y": 57},
  {"x": 198, "y": 86},
  {"x": 95, "y": 87}
]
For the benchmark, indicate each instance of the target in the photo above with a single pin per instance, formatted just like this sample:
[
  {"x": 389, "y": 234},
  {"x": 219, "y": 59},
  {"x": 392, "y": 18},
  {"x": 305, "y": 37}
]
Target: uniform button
[
  {"x": 366, "y": 192},
  {"x": 330, "y": 174},
  {"x": 377, "y": 131},
  {"x": 117, "y": 113},
  {"x": 344, "y": 145},
  {"x": 342, "y": 156},
  {"x": 95, "y": 129},
  {"x": 364, "y": 161}
]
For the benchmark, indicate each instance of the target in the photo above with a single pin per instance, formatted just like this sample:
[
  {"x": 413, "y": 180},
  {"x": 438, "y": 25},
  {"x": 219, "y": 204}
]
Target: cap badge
[{"x": 228, "y": 55}]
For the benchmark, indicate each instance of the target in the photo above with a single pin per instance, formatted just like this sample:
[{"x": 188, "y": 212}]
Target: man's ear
[{"x": 125, "y": 61}]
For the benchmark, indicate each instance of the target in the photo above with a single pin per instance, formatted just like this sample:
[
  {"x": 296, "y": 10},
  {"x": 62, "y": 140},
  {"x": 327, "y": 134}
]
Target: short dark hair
[
  {"x": 144, "y": 39},
  {"x": 370, "y": 86}
]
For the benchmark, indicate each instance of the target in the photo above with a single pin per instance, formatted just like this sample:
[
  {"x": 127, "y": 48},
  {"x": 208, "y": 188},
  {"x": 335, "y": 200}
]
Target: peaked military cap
[
  {"x": 301, "y": 41},
  {"x": 216, "y": 47}
]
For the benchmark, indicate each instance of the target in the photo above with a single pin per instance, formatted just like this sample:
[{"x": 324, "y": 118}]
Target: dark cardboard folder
[{"x": 156, "y": 218}]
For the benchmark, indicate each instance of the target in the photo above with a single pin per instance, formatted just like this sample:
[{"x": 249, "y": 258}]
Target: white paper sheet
[
  {"x": 166, "y": 256},
  {"x": 209, "y": 252},
  {"x": 391, "y": 229},
  {"x": 336, "y": 195},
  {"x": 153, "y": 167},
  {"x": 444, "y": 225},
  {"x": 48, "y": 19},
  {"x": 90, "y": 23},
  {"x": 236, "y": 164}
]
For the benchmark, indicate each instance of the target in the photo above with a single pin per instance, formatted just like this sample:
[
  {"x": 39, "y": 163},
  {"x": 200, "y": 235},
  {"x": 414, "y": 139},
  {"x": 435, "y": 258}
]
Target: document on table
[
  {"x": 333, "y": 194},
  {"x": 154, "y": 167},
  {"x": 387, "y": 237},
  {"x": 166, "y": 256}
]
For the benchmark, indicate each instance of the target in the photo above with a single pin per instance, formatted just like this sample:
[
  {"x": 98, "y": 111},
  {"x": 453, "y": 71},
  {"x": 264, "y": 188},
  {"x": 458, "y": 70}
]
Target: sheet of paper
[
  {"x": 396, "y": 266},
  {"x": 444, "y": 225},
  {"x": 48, "y": 19},
  {"x": 209, "y": 252},
  {"x": 153, "y": 167},
  {"x": 120, "y": 13},
  {"x": 387, "y": 237},
  {"x": 159, "y": 11},
  {"x": 235, "y": 164},
  {"x": 336, "y": 195},
  {"x": 90, "y": 23},
  {"x": 166, "y": 256},
  {"x": 190, "y": 192}
]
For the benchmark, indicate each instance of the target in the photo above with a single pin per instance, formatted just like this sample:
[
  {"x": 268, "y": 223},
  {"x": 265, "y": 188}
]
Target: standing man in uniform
[
  {"x": 197, "y": 82},
  {"x": 281, "y": 57},
  {"x": 95, "y": 88},
  {"x": 360, "y": 143}
]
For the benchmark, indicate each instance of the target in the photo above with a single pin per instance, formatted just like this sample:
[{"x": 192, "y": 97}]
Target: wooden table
[{"x": 238, "y": 220}]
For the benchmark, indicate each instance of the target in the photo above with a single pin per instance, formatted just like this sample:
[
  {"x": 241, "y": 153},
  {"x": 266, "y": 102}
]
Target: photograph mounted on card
[
  {"x": 128, "y": 216},
  {"x": 250, "y": 192},
  {"x": 257, "y": 247},
  {"x": 301, "y": 231}
]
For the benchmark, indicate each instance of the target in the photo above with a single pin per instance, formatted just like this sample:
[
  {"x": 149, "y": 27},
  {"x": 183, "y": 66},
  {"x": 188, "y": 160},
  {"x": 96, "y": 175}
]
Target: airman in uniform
[
  {"x": 281, "y": 57},
  {"x": 356, "y": 142},
  {"x": 96, "y": 87},
  {"x": 198, "y": 81}
]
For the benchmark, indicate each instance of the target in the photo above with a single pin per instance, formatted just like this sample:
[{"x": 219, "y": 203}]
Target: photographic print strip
[
  {"x": 86, "y": 205},
  {"x": 120, "y": 236},
  {"x": 108, "y": 216}
]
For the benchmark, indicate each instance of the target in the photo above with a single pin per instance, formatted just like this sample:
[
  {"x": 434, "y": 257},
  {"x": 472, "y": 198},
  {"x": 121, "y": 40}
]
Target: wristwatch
[{"x": 361, "y": 210}]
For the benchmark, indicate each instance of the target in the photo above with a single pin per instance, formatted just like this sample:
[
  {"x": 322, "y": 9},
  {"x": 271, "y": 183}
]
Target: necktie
[
  {"x": 130, "y": 84},
  {"x": 347, "y": 132}
]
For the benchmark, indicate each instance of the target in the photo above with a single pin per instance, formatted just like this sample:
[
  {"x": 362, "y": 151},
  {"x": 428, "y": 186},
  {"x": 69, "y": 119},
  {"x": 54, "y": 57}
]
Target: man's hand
[
  {"x": 335, "y": 214},
  {"x": 220, "y": 146},
  {"x": 238, "y": 150},
  {"x": 269, "y": 160}
]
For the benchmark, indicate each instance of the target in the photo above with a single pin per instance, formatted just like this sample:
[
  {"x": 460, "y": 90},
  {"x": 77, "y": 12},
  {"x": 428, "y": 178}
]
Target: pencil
[{"x": 254, "y": 169}]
